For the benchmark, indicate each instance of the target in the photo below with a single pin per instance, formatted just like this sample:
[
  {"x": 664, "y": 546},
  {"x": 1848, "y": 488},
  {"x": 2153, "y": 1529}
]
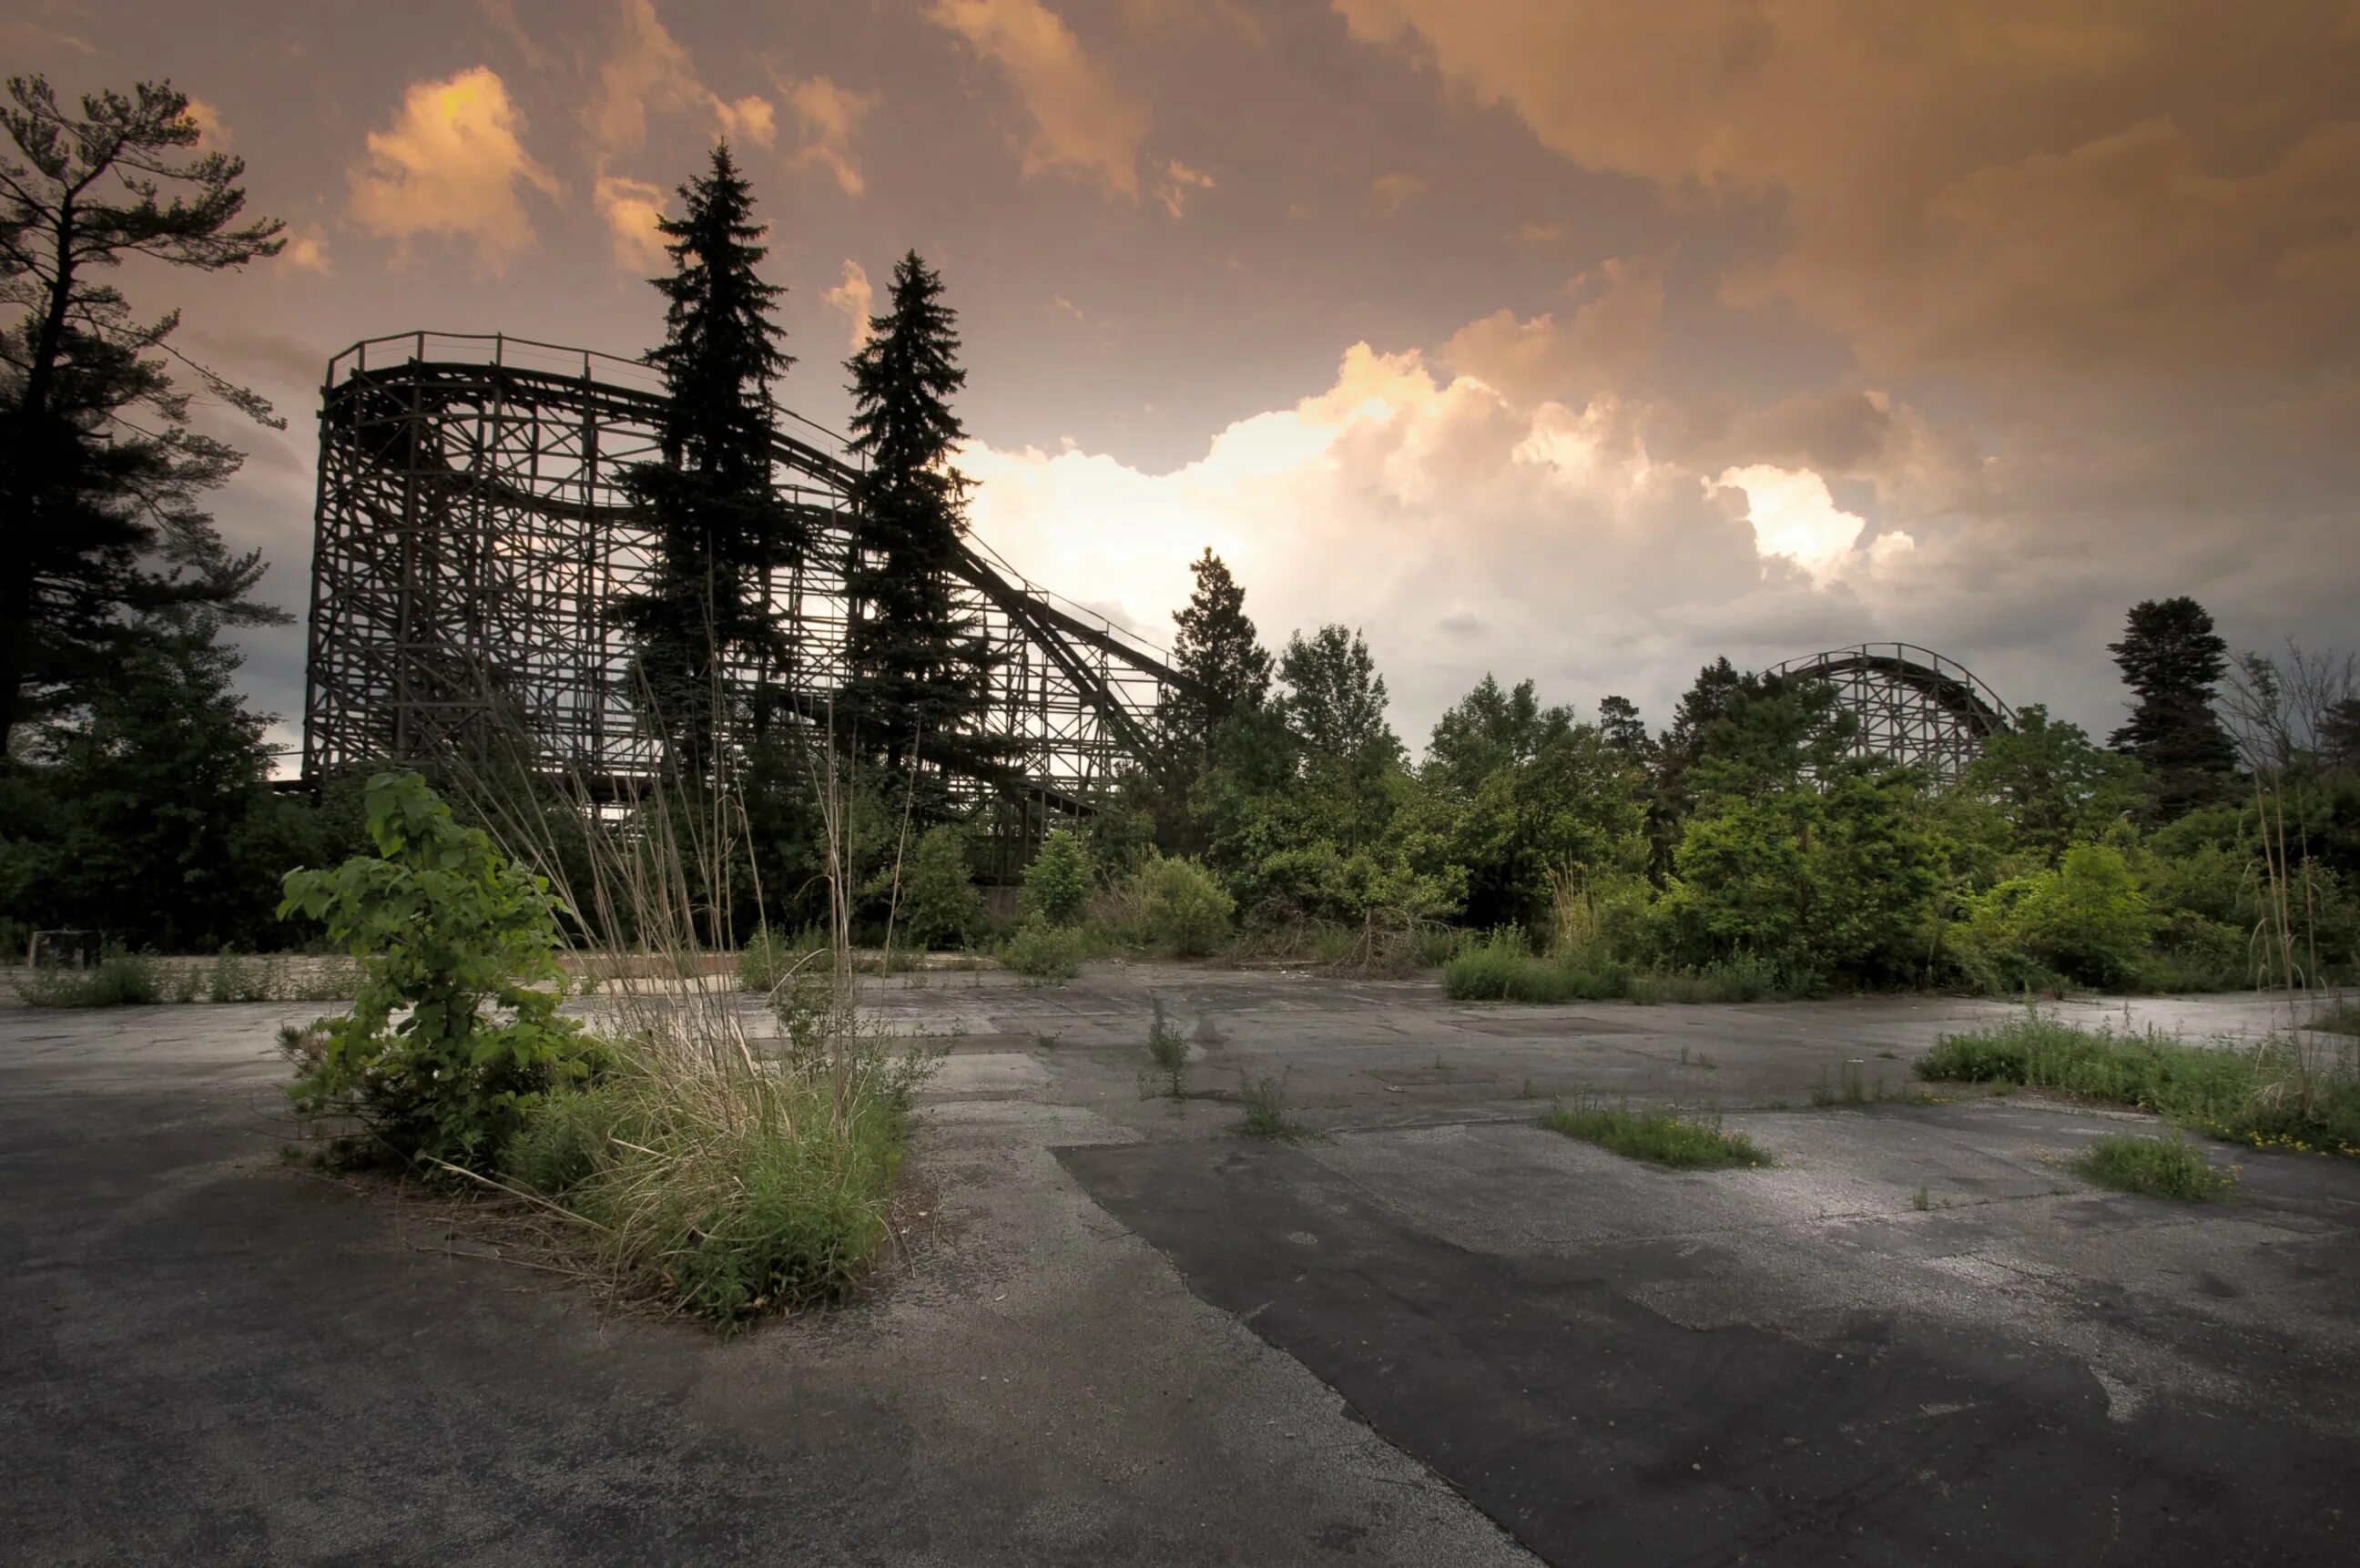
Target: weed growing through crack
[
  {"x": 1267, "y": 1115},
  {"x": 2159, "y": 1167},
  {"x": 1850, "y": 1087},
  {"x": 1681, "y": 1142},
  {"x": 1167, "y": 1048},
  {"x": 1923, "y": 1202},
  {"x": 1044, "y": 1042}
]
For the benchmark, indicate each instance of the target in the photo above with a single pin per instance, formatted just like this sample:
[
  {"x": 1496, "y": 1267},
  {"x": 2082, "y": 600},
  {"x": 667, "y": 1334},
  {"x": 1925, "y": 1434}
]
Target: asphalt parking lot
[{"x": 1121, "y": 1332}]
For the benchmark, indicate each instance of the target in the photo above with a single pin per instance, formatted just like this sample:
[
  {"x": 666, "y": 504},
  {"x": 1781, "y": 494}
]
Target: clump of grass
[
  {"x": 119, "y": 979},
  {"x": 1923, "y": 1202},
  {"x": 1044, "y": 954},
  {"x": 2159, "y": 1167},
  {"x": 1167, "y": 1051},
  {"x": 2273, "y": 1094},
  {"x": 730, "y": 1190},
  {"x": 1502, "y": 967},
  {"x": 232, "y": 977},
  {"x": 1267, "y": 1112},
  {"x": 1681, "y": 1142}
]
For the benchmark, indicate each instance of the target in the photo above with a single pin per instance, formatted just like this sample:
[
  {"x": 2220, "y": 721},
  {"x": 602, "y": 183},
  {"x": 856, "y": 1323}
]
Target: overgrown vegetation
[
  {"x": 2159, "y": 1167},
  {"x": 1043, "y": 952},
  {"x": 2274, "y": 1093},
  {"x": 1167, "y": 1053},
  {"x": 463, "y": 945},
  {"x": 1683, "y": 1143}
]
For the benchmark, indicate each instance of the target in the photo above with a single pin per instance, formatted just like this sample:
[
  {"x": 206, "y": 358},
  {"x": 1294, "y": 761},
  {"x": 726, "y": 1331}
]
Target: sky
[{"x": 1576, "y": 342}]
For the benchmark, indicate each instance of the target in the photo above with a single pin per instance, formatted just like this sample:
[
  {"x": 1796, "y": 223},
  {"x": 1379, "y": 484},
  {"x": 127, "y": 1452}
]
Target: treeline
[{"x": 1750, "y": 832}]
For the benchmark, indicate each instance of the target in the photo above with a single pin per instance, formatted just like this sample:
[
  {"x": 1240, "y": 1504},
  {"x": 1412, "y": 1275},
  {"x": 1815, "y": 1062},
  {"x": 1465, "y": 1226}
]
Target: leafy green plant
[
  {"x": 768, "y": 959},
  {"x": 1058, "y": 880},
  {"x": 1183, "y": 908},
  {"x": 1043, "y": 952},
  {"x": 461, "y": 944},
  {"x": 939, "y": 905},
  {"x": 2159, "y": 1167},
  {"x": 1681, "y": 1142}
]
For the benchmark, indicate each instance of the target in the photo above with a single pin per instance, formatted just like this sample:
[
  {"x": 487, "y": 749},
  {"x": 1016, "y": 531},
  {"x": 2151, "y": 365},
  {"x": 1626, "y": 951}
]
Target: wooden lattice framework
[
  {"x": 472, "y": 528},
  {"x": 1913, "y": 705}
]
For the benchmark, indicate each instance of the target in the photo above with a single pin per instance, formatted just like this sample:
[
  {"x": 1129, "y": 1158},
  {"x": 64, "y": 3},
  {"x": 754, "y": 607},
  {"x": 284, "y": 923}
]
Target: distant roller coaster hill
[
  {"x": 1913, "y": 705},
  {"x": 472, "y": 527}
]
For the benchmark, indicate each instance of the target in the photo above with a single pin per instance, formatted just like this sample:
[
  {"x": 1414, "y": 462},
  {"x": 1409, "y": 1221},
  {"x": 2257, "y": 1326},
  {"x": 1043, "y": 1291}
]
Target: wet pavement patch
[{"x": 1594, "y": 1430}]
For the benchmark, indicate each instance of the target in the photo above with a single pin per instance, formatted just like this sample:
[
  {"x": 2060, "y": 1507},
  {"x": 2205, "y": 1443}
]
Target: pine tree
[
  {"x": 2171, "y": 657},
  {"x": 1225, "y": 667},
  {"x": 1619, "y": 722},
  {"x": 918, "y": 667},
  {"x": 100, "y": 475},
  {"x": 721, "y": 530}
]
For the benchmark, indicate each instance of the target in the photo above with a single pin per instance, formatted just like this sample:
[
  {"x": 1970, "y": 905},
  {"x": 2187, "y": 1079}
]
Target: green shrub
[
  {"x": 1181, "y": 907},
  {"x": 1058, "y": 880},
  {"x": 1683, "y": 1143},
  {"x": 939, "y": 905},
  {"x": 119, "y": 979},
  {"x": 2086, "y": 919},
  {"x": 1042, "y": 951},
  {"x": 2273, "y": 1094},
  {"x": 453, "y": 935},
  {"x": 2159, "y": 1167}
]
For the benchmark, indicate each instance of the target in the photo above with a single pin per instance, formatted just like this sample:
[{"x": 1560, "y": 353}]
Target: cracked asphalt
[{"x": 1435, "y": 1333}]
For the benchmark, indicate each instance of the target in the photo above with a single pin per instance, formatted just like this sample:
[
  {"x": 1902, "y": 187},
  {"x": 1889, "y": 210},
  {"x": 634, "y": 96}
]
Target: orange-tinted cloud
[
  {"x": 1178, "y": 183},
  {"x": 1082, "y": 124},
  {"x": 630, "y": 209},
  {"x": 452, "y": 163},
  {"x": 2077, "y": 184},
  {"x": 826, "y": 118},
  {"x": 1604, "y": 345},
  {"x": 645, "y": 69},
  {"x": 1390, "y": 191},
  {"x": 855, "y": 299}
]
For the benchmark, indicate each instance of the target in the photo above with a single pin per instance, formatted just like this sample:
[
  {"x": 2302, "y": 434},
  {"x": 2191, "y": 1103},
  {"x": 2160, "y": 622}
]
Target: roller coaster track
[{"x": 472, "y": 529}]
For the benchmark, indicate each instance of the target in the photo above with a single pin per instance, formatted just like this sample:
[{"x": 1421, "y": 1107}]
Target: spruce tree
[
  {"x": 918, "y": 667},
  {"x": 1226, "y": 666},
  {"x": 2171, "y": 657},
  {"x": 703, "y": 615},
  {"x": 101, "y": 476}
]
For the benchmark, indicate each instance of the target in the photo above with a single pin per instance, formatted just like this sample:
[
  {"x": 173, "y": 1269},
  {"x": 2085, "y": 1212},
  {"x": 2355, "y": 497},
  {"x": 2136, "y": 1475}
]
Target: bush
[
  {"x": 2159, "y": 1167},
  {"x": 1058, "y": 879},
  {"x": 1041, "y": 951},
  {"x": 1182, "y": 908},
  {"x": 119, "y": 979},
  {"x": 2086, "y": 919},
  {"x": 939, "y": 905},
  {"x": 1680, "y": 1142},
  {"x": 460, "y": 940},
  {"x": 1502, "y": 967}
]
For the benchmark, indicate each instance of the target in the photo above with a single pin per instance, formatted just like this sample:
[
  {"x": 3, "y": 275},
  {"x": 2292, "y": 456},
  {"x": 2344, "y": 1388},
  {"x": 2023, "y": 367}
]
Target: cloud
[
  {"x": 856, "y": 299},
  {"x": 209, "y": 124},
  {"x": 1466, "y": 529},
  {"x": 1608, "y": 341},
  {"x": 2073, "y": 186},
  {"x": 827, "y": 116},
  {"x": 1390, "y": 191},
  {"x": 450, "y": 163},
  {"x": 645, "y": 69},
  {"x": 1539, "y": 234},
  {"x": 1180, "y": 182},
  {"x": 307, "y": 252},
  {"x": 630, "y": 209},
  {"x": 1082, "y": 124}
]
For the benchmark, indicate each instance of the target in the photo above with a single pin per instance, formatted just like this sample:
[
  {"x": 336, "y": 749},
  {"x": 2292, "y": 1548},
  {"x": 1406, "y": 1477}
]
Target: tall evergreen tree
[
  {"x": 101, "y": 477},
  {"x": 720, "y": 529},
  {"x": 1620, "y": 724},
  {"x": 919, "y": 669},
  {"x": 1217, "y": 651},
  {"x": 2171, "y": 659}
]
